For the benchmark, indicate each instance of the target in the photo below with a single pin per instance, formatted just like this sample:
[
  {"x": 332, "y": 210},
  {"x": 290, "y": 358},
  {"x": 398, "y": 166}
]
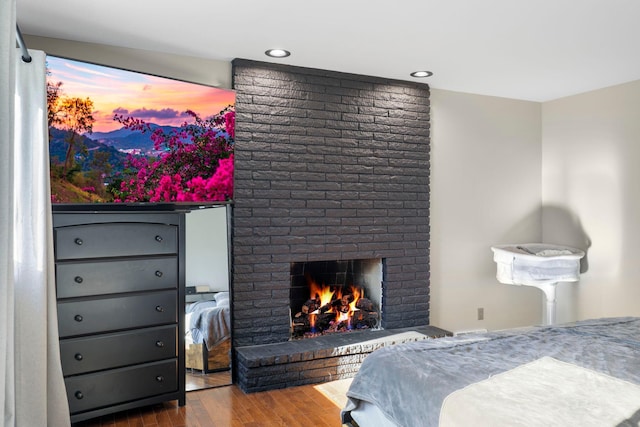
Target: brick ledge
[{"x": 310, "y": 361}]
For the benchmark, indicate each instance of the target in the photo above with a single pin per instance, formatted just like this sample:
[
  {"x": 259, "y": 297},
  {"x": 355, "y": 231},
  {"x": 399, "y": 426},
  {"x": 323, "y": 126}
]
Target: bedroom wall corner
[
  {"x": 485, "y": 190},
  {"x": 589, "y": 175}
]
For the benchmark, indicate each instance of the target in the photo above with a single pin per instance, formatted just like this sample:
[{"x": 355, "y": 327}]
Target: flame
[
  {"x": 357, "y": 294},
  {"x": 312, "y": 321},
  {"x": 323, "y": 293}
]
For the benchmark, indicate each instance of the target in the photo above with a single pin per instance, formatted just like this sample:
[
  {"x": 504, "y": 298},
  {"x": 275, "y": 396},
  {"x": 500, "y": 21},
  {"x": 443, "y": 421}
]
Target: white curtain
[{"x": 33, "y": 390}]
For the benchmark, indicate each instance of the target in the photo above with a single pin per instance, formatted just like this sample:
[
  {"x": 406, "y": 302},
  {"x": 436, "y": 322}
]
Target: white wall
[
  {"x": 485, "y": 190},
  {"x": 206, "y": 248},
  {"x": 590, "y": 181}
]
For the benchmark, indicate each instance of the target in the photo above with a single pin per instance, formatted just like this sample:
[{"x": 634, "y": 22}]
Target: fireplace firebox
[{"x": 335, "y": 296}]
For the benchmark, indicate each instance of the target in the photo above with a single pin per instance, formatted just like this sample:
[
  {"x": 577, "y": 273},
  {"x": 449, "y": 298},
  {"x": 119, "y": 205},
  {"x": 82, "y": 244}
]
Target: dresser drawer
[
  {"x": 100, "y": 352},
  {"x": 82, "y": 316},
  {"x": 81, "y": 278},
  {"x": 115, "y": 239},
  {"x": 101, "y": 389}
]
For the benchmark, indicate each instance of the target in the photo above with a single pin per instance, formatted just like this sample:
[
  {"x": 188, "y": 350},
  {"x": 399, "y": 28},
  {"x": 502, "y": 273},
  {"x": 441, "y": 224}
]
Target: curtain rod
[{"x": 26, "y": 57}]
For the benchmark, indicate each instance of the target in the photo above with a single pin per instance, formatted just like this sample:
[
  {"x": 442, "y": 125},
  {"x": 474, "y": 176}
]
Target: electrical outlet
[{"x": 480, "y": 313}]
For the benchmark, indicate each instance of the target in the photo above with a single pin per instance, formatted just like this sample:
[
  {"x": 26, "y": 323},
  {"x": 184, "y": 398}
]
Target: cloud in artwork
[
  {"x": 149, "y": 114},
  {"x": 162, "y": 114}
]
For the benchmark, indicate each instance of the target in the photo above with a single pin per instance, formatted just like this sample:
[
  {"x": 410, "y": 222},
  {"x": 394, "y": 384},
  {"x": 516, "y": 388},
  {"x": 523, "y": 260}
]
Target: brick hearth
[{"x": 310, "y": 361}]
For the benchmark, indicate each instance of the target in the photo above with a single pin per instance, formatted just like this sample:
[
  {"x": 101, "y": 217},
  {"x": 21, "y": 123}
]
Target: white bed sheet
[
  {"x": 543, "y": 393},
  {"x": 368, "y": 414}
]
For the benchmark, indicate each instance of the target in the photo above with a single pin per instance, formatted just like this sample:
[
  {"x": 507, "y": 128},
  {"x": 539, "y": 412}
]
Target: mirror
[{"x": 207, "y": 311}]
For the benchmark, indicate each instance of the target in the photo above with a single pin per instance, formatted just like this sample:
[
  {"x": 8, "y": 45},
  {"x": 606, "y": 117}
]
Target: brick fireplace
[{"x": 328, "y": 167}]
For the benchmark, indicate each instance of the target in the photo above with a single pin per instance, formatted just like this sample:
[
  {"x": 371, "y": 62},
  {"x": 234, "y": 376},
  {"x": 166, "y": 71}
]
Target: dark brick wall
[{"x": 328, "y": 166}]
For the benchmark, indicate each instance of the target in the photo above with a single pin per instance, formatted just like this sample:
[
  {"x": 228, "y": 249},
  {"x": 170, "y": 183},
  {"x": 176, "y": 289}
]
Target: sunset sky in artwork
[{"x": 153, "y": 99}]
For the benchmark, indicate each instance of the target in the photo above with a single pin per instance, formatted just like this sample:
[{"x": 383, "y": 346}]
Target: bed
[
  {"x": 207, "y": 336},
  {"x": 583, "y": 373}
]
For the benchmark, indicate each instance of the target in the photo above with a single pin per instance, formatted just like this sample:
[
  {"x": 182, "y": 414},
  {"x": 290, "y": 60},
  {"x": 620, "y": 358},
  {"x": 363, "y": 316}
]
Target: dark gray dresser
[{"x": 120, "y": 291}]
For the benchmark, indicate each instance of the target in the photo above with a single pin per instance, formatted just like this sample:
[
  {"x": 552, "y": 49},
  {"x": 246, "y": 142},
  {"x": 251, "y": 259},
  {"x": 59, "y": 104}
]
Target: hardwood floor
[
  {"x": 196, "y": 380},
  {"x": 230, "y": 406}
]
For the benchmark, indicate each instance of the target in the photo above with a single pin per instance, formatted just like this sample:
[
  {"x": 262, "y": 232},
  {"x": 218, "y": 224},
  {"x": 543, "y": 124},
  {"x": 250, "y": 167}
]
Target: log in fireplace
[{"x": 335, "y": 296}]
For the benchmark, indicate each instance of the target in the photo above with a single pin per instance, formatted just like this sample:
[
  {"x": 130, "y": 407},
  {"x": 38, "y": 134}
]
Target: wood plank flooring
[
  {"x": 195, "y": 380},
  {"x": 230, "y": 406}
]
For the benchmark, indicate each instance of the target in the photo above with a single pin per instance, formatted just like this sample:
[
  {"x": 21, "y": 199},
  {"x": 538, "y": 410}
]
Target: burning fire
[
  {"x": 356, "y": 296},
  {"x": 332, "y": 309},
  {"x": 323, "y": 293},
  {"x": 334, "y": 301}
]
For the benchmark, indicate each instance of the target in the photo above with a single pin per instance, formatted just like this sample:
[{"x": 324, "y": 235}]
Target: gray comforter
[
  {"x": 209, "y": 322},
  {"x": 409, "y": 382}
]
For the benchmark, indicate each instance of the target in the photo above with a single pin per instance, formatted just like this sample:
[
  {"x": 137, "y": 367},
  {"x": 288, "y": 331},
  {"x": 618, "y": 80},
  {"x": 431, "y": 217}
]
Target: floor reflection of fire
[{"x": 332, "y": 309}]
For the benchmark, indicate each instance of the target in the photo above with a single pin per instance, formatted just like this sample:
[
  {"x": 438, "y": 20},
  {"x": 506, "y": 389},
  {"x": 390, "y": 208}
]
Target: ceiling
[{"x": 535, "y": 50}]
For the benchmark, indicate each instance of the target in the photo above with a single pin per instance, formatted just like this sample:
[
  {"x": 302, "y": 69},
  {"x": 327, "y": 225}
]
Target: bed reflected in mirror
[{"x": 207, "y": 311}]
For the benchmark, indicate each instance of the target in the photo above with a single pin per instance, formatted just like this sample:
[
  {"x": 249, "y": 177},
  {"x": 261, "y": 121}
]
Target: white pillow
[{"x": 221, "y": 296}]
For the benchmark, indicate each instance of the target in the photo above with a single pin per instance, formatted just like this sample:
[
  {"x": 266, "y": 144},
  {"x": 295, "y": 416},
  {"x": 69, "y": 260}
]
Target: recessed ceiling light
[
  {"x": 421, "y": 74},
  {"x": 277, "y": 53}
]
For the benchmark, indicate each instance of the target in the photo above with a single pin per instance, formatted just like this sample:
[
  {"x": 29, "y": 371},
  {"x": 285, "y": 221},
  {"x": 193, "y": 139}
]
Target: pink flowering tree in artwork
[{"x": 194, "y": 164}]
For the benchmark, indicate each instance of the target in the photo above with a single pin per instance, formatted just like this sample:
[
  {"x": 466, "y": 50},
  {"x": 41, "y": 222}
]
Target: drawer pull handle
[
  {"x": 158, "y": 239},
  {"x": 159, "y": 308},
  {"x": 160, "y": 344},
  {"x": 79, "y": 395},
  {"x": 159, "y": 378},
  {"x": 78, "y": 279},
  {"x": 78, "y": 356},
  {"x": 78, "y": 241},
  {"x": 78, "y": 318},
  {"x": 158, "y": 273}
]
